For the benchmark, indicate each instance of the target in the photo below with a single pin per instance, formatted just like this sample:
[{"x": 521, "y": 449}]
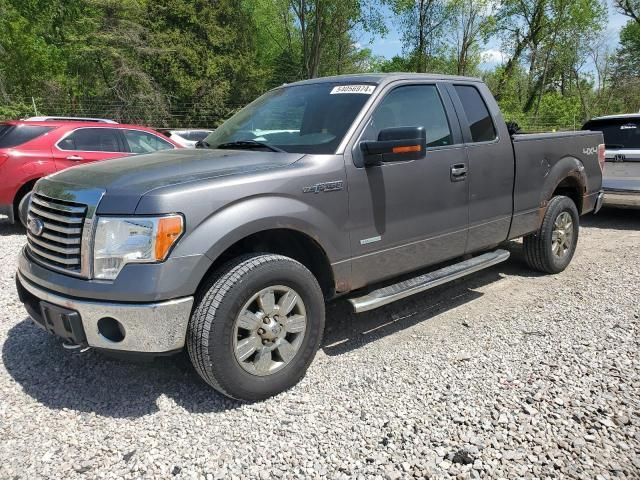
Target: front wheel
[
  {"x": 551, "y": 248},
  {"x": 256, "y": 326}
]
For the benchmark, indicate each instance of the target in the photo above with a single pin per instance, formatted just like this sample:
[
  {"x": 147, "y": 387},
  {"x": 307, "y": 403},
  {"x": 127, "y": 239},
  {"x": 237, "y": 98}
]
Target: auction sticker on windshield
[{"x": 366, "y": 89}]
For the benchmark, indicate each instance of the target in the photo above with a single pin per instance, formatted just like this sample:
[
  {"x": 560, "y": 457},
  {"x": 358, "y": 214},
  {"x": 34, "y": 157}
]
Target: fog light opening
[{"x": 111, "y": 329}]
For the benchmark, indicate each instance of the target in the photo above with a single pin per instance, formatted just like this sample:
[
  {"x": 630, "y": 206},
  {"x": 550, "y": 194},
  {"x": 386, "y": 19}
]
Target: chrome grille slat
[
  {"x": 57, "y": 206},
  {"x": 53, "y": 247},
  {"x": 58, "y": 243},
  {"x": 54, "y": 216},
  {"x": 54, "y": 258},
  {"x": 65, "y": 240},
  {"x": 58, "y": 228}
]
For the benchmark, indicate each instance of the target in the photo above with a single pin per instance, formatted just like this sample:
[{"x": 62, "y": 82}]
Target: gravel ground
[{"x": 505, "y": 374}]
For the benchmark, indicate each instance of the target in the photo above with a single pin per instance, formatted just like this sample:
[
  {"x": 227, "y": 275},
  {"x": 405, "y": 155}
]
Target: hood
[
  {"x": 142, "y": 173},
  {"x": 122, "y": 182}
]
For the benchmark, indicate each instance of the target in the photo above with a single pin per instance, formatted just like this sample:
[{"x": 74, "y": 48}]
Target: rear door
[
  {"x": 408, "y": 214},
  {"x": 491, "y": 165},
  {"x": 88, "y": 144}
]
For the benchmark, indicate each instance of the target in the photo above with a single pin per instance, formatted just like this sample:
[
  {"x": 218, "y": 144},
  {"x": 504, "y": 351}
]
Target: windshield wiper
[
  {"x": 613, "y": 145},
  {"x": 248, "y": 144}
]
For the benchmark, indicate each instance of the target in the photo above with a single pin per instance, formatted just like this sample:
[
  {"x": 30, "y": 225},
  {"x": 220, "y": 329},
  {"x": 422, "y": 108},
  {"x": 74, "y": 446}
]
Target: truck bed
[{"x": 537, "y": 156}]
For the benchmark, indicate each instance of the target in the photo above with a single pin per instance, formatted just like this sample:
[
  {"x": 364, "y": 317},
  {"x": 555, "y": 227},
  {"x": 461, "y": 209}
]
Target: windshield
[
  {"x": 311, "y": 118},
  {"x": 618, "y": 133}
]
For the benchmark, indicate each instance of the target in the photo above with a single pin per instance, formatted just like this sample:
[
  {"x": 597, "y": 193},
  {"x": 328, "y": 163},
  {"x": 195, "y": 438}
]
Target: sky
[{"x": 391, "y": 44}]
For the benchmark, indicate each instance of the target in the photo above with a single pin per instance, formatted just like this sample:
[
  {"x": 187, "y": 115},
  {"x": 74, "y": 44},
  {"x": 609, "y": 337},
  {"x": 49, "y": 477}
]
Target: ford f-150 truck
[{"x": 318, "y": 189}]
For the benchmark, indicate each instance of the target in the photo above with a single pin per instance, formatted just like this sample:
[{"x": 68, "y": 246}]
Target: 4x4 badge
[{"x": 324, "y": 187}]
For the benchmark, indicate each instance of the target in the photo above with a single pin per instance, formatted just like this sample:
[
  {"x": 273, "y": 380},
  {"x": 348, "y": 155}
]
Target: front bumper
[
  {"x": 621, "y": 198},
  {"x": 147, "y": 327}
]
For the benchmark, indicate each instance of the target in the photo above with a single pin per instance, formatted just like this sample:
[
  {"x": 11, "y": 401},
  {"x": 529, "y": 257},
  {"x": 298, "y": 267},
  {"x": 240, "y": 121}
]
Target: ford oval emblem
[{"x": 36, "y": 226}]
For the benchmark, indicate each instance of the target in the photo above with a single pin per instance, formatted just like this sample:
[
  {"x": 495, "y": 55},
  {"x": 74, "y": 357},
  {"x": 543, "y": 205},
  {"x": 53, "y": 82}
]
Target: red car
[{"x": 30, "y": 150}]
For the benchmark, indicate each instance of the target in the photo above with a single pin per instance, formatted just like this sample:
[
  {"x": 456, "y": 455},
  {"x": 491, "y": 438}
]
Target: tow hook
[{"x": 75, "y": 346}]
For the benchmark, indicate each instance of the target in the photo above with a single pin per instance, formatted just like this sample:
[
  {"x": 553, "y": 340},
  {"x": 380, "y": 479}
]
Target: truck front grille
[{"x": 54, "y": 234}]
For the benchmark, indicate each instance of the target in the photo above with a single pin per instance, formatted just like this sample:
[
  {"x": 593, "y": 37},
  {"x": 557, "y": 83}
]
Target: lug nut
[
  {"x": 261, "y": 331},
  {"x": 265, "y": 320}
]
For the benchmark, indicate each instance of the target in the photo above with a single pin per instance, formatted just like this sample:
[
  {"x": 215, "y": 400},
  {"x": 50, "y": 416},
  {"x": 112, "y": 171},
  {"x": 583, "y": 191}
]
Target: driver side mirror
[{"x": 395, "y": 144}]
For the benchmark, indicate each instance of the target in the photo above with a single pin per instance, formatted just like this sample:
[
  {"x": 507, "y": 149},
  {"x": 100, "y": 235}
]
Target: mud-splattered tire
[
  {"x": 256, "y": 326},
  {"x": 551, "y": 248}
]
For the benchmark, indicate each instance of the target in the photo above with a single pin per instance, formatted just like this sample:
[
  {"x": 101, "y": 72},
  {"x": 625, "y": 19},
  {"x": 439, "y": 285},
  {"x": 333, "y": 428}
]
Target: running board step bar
[{"x": 386, "y": 295}]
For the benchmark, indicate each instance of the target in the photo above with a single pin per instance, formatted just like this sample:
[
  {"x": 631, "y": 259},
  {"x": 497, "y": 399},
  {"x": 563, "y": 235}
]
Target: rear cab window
[
  {"x": 16, "y": 135},
  {"x": 477, "y": 113}
]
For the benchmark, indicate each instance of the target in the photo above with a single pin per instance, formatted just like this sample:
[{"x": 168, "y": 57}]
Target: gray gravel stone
[{"x": 542, "y": 383}]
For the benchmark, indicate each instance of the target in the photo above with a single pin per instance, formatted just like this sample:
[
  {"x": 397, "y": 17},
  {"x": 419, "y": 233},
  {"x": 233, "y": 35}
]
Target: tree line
[{"x": 195, "y": 62}]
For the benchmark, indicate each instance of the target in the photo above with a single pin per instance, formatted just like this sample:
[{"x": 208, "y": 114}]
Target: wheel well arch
[
  {"x": 567, "y": 177},
  {"x": 282, "y": 241},
  {"x": 25, "y": 188},
  {"x": 571, "y": 187}
]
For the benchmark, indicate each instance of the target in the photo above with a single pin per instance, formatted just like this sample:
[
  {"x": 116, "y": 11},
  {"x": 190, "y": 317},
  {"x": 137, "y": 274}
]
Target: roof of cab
[{"x": 380, "y": 78}]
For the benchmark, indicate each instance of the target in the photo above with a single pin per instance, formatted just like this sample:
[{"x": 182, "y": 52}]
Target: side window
[
  {"x": 413, "y": 106},
  {"x": 144, "y": 142},
  {"x": 480, "y": 122},
  {"x": 91, "y": 140}
]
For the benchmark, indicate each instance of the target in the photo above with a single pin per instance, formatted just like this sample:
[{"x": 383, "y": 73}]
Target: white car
[
  {"x": 621, "y": 177},
  {"x": 186, "y": 138}
]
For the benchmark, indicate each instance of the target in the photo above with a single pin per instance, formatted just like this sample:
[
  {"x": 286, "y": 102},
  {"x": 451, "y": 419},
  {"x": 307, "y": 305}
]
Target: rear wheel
[
  {"x": 256, "y": 327},
  {"x": 551, "y": 248}
]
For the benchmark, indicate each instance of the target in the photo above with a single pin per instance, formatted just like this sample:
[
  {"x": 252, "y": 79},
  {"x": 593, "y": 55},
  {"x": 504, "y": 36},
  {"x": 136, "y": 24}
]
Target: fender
[
  {"x": 568, "y": 169},
  {"x": 252, "y": 215},
  {"x": 544, "y": 179}
]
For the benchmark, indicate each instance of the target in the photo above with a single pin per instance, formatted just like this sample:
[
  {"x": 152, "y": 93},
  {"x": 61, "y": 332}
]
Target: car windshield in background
[
  {"x": 312, "y": 118},
  {"x": 195, "y": 135},
  {"x": 14, "y": 135},
  {"x": 618, "y": 133}
]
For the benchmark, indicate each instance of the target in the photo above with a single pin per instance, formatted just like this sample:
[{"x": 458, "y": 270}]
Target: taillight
[{"x": 601, "y": 156}]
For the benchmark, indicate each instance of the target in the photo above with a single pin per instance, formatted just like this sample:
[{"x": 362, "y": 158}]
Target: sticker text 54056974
[{"x": 364, "y": 89}]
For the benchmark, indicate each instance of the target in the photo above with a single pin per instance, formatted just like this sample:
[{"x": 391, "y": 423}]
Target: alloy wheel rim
[
  {"x": 269, "y": 330},
  {"x": 562, "y": 235}
]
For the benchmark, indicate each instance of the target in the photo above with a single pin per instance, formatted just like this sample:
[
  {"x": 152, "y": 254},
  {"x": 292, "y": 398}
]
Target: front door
[{"x": 408, "y": 214}]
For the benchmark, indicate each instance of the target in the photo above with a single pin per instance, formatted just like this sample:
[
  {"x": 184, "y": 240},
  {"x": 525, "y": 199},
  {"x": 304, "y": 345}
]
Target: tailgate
[{"x": 622, "y": 170}]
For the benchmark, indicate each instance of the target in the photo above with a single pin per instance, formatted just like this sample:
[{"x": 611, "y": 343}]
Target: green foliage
[
  {"x": 194, "y": 62},
  {"x": 626, "y": 77}
]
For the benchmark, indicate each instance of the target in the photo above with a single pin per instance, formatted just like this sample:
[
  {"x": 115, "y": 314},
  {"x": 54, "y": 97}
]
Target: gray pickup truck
[{"x": 318, "y": 189}]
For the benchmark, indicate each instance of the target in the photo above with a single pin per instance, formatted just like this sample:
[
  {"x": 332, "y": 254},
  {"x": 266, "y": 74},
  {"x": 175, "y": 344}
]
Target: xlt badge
[{"x": 324, "y": 187}]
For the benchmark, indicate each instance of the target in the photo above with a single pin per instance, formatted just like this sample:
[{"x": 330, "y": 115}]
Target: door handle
[
  {"x": 458, "y": 172},
  {"x": 75, "y": 157}
]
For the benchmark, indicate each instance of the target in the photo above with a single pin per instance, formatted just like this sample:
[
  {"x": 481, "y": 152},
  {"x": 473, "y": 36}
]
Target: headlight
[{"x": 122, "y": 240}]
